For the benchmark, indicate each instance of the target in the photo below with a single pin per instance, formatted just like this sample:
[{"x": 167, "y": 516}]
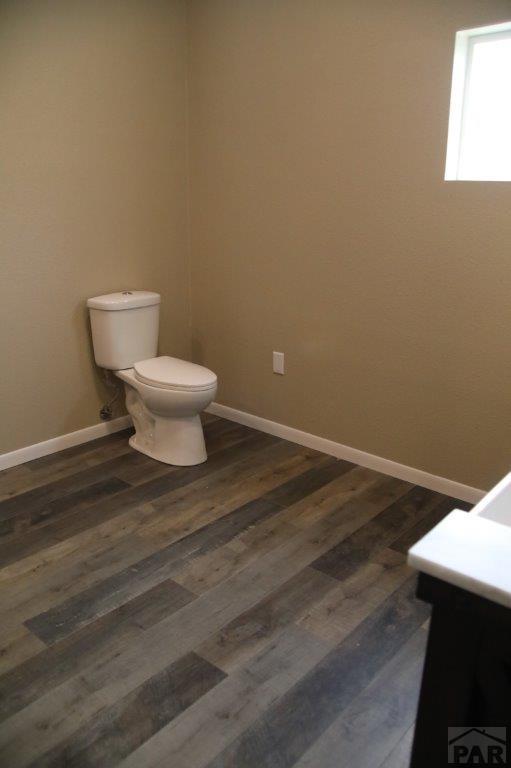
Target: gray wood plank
[
  {"x": 117, "y": 505},
  {"x": 83, "y": 452},
  {"x": 342, "y": 609},
  {"x": 39, "y": 498},
  {"x": 402, "y": 752},
  {"x": 98, "y": 641},
  {"x": 17, "y": 645},
  {"x": 80, "y": 697},
  {"x": 214, "y": 721},
  {"x": 344, "y": 559},
  {"x": 329, "y": 505},
  {"x": 62, "y": 620},
  {"x": 70, "y": 504},
  {"x": 316, "y": 477},
  {"x": 80, "y": 609},
  {"x": 409, "y": 537},
  {"x": 117, "y": 730},
  {"x": 245, "y": 635},
  {"x": 67, "y": 568},
  {"x": 377, "y": 719},
  {"x": 287, "y": 729},
  {"x": 47, "y": 469}
]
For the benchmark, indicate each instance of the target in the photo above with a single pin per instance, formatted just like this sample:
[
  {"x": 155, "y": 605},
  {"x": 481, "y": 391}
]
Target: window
[{"x": 479, "y": 145}]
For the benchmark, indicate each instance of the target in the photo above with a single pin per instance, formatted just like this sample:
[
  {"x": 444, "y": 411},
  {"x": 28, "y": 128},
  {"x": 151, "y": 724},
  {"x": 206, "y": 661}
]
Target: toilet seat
[{"x": 172, "y": 373}]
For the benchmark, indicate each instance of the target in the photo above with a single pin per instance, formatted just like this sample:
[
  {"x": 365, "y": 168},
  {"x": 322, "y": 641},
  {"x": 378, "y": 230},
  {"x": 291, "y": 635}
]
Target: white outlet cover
[{"x": 278, "y": 363}]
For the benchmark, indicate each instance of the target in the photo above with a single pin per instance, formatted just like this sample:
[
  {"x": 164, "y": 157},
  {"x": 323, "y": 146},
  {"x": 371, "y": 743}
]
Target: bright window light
[{"x": 479, "y": 145}]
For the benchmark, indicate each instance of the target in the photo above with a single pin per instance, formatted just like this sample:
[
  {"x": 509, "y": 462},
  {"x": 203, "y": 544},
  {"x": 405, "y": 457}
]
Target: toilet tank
[{"x": 124, "y": 328}]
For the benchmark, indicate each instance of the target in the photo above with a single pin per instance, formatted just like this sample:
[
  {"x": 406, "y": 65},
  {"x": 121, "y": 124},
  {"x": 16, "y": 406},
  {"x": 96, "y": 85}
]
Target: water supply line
[{"x": 106, "y": 411}]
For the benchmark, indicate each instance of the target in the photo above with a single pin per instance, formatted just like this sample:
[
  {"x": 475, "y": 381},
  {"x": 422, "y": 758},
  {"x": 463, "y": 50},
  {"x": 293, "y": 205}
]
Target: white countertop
[{"x": 472, "y": 550}]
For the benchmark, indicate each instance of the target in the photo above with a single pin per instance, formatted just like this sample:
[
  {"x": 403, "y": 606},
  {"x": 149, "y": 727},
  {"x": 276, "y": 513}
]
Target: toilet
[{"x": 164, "y": 395}]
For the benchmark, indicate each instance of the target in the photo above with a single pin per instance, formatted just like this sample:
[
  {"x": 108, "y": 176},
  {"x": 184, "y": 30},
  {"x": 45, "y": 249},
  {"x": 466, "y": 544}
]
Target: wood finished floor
[{"x": 255, "y": 611}]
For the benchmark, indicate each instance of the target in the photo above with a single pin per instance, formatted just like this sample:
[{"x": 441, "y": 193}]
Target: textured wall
[
  {"x": 93, "y": 193},
  {"x": 321, "y": 226},
  {"x": 320, "y": 221}
]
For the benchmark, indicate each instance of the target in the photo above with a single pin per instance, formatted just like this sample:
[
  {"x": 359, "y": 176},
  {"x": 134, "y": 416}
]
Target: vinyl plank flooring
[
  {"x": 204, "y": 572},
  {"x": 343, "y": 608},
  {"x": 377, "y": 720},
  {"x": 289, "y": 727},
  {"x": 252, "y": 474},
  {"x": 356, "y": 491},
  {"x": 103, "y": 638},
  {"x": 70, "y": 567},
  {"x": 343, "y": 495},
  {"x": 64, "y": 573},
  {"x": 16, "y": 646},
  {"x": 109, "y": 514},
  {"x": 179, "y": 505},
  {"x": 33, "y": 501},
  {"x": 409, "y": 537},
  {"x": 242, "y": 637},
  {"x": 80, "y": 455},
  {"x": 113, "y": 591},
  {"x": 117, "y": 730},
  {"x": 402, "y": 752},
  {"x": 13, "y": 480},
  {"x": 141, "y": 575},
  {"x": 119, "y": 504},
  {"x": 256, "y": 610},
  {"x": 26, "y": 477},
  {"x": 345, "y": 557},
  {"x": 216, "y": 720},
  {"x": 204, "y": 569},
  {"x": 70, "y": 504},
  {"x": 80, "y": 697},
  {"x": 252, "y": 480},
  {"x": 298, "y": 488},
  {"x": 58, "y": 465}
]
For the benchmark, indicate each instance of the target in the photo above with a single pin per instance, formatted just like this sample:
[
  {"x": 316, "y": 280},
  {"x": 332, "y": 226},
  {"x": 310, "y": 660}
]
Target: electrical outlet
[{"x": 278, "y": 363}]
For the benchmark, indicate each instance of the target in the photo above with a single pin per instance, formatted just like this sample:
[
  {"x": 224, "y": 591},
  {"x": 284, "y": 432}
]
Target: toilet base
[
  {"x": 173, "y": 439},
  {"x": 179, "y": 442}
]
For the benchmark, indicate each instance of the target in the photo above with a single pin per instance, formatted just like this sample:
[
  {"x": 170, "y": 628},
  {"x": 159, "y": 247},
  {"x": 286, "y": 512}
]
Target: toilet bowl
[{"x": 164, "y": 397}]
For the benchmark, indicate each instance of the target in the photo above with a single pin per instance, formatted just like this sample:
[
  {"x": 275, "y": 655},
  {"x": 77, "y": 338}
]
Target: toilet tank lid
[{"x": 124, "y": 300}]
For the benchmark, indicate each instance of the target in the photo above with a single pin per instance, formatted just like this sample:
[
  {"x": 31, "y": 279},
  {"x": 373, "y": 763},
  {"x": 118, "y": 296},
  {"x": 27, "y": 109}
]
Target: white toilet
[{"x": 164, "y": 395}]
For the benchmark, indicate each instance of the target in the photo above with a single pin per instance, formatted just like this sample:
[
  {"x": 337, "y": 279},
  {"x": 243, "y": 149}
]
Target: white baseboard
[
  {"x": 379, "y": 464},
  {"x": 37, "y": 450}
]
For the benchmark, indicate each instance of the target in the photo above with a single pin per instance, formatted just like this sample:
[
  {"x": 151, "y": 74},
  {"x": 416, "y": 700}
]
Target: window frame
[{"x": 462, "y": 65}]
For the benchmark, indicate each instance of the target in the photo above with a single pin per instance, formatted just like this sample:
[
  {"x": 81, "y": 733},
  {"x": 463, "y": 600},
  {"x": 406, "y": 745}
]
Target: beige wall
[
  {"x": 320, "y": 223},
  {"x": 92, "y": 193},
  {"x": 321, "y": 226}
]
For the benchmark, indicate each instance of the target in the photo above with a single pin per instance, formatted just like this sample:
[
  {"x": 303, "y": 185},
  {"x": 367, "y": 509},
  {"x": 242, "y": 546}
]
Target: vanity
[{"x": 464, "y": 566}]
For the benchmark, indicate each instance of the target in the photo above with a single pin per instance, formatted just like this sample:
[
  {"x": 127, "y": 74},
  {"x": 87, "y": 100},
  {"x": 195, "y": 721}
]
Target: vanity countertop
[{"x": 472, "y": 550}]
